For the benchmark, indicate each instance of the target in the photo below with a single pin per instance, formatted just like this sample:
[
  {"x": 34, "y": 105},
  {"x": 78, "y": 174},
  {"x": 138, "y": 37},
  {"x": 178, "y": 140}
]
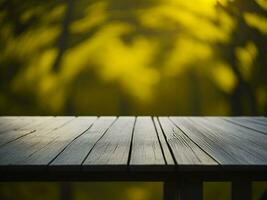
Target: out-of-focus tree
[
  {"x": 246, "y": 54},
  {"x": 160, "y": 57}
]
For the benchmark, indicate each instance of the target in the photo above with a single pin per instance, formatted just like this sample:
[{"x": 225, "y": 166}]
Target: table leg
[
  {"x": 66, "y": 191},
  {"x": 241, "y": 189},
  {"x": 170, "y": 190},
  {"x": 183, "y": 190}
]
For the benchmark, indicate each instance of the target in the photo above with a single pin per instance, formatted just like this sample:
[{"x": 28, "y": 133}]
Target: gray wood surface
[
  {"x": 114, "y": 147},
  {"x": 185, "y": 151},
  {"x": 61, "y": 138},
  {"x": 227, "y": 143},
  {"x": 13, "y": 132},
  {"x": 257, "y": 120},
  {"x": 249, "y": 123},
  {"x": 146, "y": 149},
  {"x": 19, "y": 150},
  {"x": 8, "y": 121},
  {"x": 166, "y": 149},
  {"x": 76, "y": 152},
  {"x": 108, "y": 143},
  {"x": 20, "y": 123}
]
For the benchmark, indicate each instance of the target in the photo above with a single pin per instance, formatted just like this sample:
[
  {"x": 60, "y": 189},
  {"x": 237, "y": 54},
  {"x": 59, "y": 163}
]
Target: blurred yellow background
[{"x": 133, "y": 57}]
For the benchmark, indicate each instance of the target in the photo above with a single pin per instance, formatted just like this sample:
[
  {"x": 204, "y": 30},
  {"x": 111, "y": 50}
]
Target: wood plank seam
[
  {"x": 165, "y": 137},
  {"x": 131, "y": 144},
  {"x": 167, "y": 154},
  {"x": 214, "y": 159},
  {"x": 243, "y": 125},
  {"x": 165, "y": 160},
  {"x": 72, "y": 141},
  {"x": 146, "y": 148},
  {"x": 24, "y": 149},
  {"x": 114, "y": 147},
  {"x": 192, "y": 142},
  {"x": 98, "y": 140},
  {"x": 27, "y": 133},
  {"x": 21, "y": 129},
  {"x": 226, "y": 145},
  {"x": 54, "y": 138},
  {"x": 58, "y": 140},
  {"x": 63, "y": 124}
]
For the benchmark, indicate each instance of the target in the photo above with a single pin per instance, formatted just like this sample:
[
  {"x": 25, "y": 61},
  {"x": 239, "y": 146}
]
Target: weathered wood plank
[
  {"x": 76, "y": 152},
  {"x": 7, "y": 121},
  {"x": 255, "y": 140},
  {"x": 166, "y": 151},
  {"x": 61, "y": 138},
  {"x": 146, "y": 148},
  {"x": 185, "y": 151},
  {"x": 228, "y": 148},
  {"x": 254, "y": 125},
  {"x": 19, "y": 123},
  {"x": 22, "y": 148},
  {"x": 260, "y": 119},
  {"x": 257, "y": 120},
  {"x": 14, "y": 134},
  {"x": 114, "y": 147}
]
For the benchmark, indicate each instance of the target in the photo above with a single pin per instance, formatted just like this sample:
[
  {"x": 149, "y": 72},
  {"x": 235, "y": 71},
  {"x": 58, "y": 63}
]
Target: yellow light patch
[
  {"x": 224, "y": 77},
  {"x": 262, "y": 3},
  {"x": 169, "y": 16},
  {"x": 94, "y": 15},
  {"x": 246, "y": 57},
  {"x": 256, "y": 21},
  {"x": 181, "y": 57}
]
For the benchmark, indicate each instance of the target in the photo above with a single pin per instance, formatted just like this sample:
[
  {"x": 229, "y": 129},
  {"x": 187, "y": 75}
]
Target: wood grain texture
[
  {"x": 7, "y": 121},
  {"x": 248, "y": 123},
  {"x": 91, "y": 142},
  {"x": 256, "y": 141},
  {"x": 185, "y": 151},
  {"x": 146, "y": 149},
  {"x": 22, "y": 148},
  {"x": 21, "y": 123},
  {"x": 75, "y": 153},
  {"x": 223, "y": 141},
  {"x": 114, "y": 147},
  {"x": 166, "y": 151},
  {"x": 257, "y": 120},
  {"x": 110, "y": 148},
  {"x": 30, "y": 126},
  {"x": 60, "y": 139}
]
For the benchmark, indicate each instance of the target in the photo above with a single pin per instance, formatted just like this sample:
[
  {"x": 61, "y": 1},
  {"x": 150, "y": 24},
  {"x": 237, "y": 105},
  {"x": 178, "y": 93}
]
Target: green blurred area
[{"x": 131, "y": 57}]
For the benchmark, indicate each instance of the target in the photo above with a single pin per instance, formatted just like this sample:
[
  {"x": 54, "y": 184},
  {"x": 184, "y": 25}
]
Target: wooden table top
[{"x": 128, "y": 148}]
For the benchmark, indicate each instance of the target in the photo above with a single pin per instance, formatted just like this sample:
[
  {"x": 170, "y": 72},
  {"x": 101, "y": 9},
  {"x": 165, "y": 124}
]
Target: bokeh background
[{"x": 131, "y": 57}]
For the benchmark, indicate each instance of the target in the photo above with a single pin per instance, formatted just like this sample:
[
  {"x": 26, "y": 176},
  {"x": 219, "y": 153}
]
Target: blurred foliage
[
  {"x": 82, "y": 191},
  {"x": 218, "y": 191},
  {"x": 135, "y": 57},
  {"x": 113, "y": 191}
]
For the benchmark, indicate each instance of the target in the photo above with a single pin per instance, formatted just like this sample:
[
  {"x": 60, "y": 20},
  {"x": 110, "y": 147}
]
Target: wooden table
[{"x": 181, "y": 151}]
